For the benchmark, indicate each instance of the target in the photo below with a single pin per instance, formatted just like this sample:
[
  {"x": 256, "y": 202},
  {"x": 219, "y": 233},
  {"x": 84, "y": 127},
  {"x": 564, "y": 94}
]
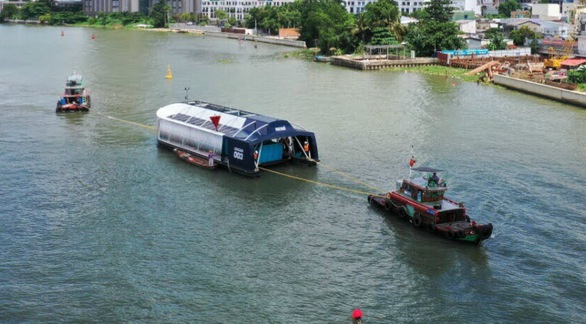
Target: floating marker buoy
[
  {"x": 62, "y": 33},
  {"x": 93, "y": 36},
  {"x": 169, "y": 73},
  {"x": 454, "y": 84},
  {"x": 357, "y": 315}
]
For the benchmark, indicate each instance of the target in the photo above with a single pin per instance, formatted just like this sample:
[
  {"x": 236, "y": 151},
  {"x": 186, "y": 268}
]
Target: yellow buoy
[{"x": 169, "y": 73}]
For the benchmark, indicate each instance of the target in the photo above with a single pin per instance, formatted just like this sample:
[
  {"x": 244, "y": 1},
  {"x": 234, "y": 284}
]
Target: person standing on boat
[
  {"x": 433, "y": 181},
  {"x": 211, "y": 158},
  {"x": 306, "y": 150}
]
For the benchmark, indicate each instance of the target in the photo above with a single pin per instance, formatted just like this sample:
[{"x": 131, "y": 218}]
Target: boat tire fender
[
  {"x": 402, "y": 212},
  {"x": 417, "y": 220},
  {"x": 388, "y": 205}
]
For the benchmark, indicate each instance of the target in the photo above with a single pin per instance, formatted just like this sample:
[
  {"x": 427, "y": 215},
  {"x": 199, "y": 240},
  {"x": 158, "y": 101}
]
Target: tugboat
[
  {"x": 76, "y": 97},
  {"x": 420, "y": 200}
]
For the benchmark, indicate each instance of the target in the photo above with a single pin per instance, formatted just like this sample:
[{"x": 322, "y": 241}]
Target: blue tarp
[{"x": 466, "y": 52}]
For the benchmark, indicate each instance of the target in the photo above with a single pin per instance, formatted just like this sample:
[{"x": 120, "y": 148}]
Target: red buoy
[
  {"x": 357, "y": 314},
  {"x": 93, "y": 36}
]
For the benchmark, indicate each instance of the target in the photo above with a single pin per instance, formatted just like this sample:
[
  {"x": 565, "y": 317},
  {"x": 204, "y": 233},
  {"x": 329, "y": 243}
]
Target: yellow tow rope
[
  {"x": 319, "y": 183},
  {"x": 280, "y": 173},
  {"x": 127, "y": 121}
]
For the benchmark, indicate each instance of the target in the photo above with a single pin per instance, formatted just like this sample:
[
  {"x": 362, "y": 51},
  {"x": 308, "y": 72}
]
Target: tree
[
  {"x": 385, "y": 14},
  {"x": 32, "y": 10},
  {"x": 382, "y": 13},
  {"x": 159, "y": 14},
  {"x": 434, "y": 36},
  {"x": 361, "y": 28},
  {"x": 435, "y": 33},
  {"x": 519, "y": 36},
  {"x": 506, "y": 7},
  {"x": 497, "y": 39},
  {"x": 439, "y": 10},
  {"x": 383, "y": 36},
  {"x": 221, "y": 15},
  {"x": 10, "y": 11},
  {"x": 326, "y": 24}
]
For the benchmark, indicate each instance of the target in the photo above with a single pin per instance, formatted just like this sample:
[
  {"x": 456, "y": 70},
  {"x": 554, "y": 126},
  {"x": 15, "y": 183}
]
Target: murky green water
[{"x": 100, "y": 225}]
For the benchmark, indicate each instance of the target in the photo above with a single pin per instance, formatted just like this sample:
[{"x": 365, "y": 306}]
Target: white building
[
  {"x": 468, "y": 27},
  {"x": 236, "y": 8},
  {"x": 468, "y": 5},
  {"x": 409, "y": 6},
  {"x": 546, "y": 11}
]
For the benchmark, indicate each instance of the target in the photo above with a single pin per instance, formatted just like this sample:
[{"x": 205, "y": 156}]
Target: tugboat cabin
[
  {"x": 428, "y": 191},
  {"x": 241, "y": 141}
]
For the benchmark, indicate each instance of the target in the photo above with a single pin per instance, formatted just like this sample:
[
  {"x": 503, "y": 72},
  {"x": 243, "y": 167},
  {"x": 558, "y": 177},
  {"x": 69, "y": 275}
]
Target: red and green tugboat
[
  {"x": 76, "y": 97},
  {"x": 420, "y": 200}
]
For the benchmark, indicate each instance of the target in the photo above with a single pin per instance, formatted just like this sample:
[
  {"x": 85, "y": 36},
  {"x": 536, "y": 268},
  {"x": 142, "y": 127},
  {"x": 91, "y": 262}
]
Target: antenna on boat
[
  {"x": 186, "y": 93},
  {"x": 411, "y": 162}
]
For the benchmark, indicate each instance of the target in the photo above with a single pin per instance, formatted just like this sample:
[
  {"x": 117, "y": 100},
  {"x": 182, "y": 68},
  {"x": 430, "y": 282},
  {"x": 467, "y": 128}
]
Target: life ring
[
  {"x": 417, "y": 220},
  {"x": 402, "y": 212},
  {"x": 451, "y": 235}
]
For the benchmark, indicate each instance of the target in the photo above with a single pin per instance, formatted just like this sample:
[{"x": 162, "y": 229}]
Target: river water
[{"x": 101, "y": 225}]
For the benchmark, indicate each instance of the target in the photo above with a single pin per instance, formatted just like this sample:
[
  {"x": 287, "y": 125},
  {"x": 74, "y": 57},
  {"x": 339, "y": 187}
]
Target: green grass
[{"x": 440, "y": 70}]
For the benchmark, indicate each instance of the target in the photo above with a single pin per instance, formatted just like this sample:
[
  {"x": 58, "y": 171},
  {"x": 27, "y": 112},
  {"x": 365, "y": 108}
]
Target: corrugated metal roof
[
  {"x": 574, "y": 62},
  {"x": 233, "y": 123}
]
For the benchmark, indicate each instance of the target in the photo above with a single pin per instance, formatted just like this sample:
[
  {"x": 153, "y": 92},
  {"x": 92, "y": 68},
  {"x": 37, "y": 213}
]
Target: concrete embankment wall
[
  {"x": 214, "y": 31},
  {"x": 260, "y": 39},
  {"x": 542, "y": 90},
  {"x": 361, "y": 64}
]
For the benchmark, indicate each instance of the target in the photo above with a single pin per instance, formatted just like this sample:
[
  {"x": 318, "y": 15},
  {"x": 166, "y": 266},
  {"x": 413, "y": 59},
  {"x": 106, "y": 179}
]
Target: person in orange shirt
[{"x": 306, "y": 149}]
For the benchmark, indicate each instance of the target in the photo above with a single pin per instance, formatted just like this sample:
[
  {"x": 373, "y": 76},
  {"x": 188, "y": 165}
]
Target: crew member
[
  {"x": 434, "y": 180},
  {"x": 255, "y": 155},
  {"x": 306, "y": 149},
  {"x": 211, "y": 158}
]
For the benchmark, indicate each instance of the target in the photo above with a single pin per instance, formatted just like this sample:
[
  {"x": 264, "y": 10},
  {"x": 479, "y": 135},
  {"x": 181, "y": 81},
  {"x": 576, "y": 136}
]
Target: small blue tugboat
[
  {"x": 420, "y": 200},
  {"x": 76, "y": 97}
]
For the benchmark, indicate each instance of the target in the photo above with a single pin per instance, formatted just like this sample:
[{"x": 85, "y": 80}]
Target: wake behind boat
[{"x": 76, "y": 97}]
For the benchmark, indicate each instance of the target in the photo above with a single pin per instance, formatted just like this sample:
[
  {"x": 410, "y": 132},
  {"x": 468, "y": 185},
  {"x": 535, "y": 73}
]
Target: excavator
[{"x": 557, "y": 57}]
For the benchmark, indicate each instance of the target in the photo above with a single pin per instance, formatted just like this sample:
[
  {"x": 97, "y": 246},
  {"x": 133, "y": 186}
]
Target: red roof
[{"x": 574, "y": 62}]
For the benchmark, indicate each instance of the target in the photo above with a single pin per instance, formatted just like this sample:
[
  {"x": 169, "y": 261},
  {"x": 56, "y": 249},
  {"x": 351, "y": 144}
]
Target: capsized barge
[
  {"x": 76, "y": 97},
  {"x": 420, "y": 200},
  {"x": 241, "y": 141}
]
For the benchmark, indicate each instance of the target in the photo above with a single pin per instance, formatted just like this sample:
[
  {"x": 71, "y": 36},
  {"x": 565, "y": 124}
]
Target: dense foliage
[
  {"x": 324, "y": 24},
  {"x": 497, "y": 39},
  {"x": 506, "y": 7},
  {"x": 519, "y": 36},
  {"x": 578, "y": 75},
  {"x": 435, "y": 33}
]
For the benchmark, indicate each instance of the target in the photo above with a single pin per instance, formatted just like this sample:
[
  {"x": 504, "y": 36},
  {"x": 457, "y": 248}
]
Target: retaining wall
[
  {"x": 361, "y": 64},
  {"x": 542, "y": 90}
]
